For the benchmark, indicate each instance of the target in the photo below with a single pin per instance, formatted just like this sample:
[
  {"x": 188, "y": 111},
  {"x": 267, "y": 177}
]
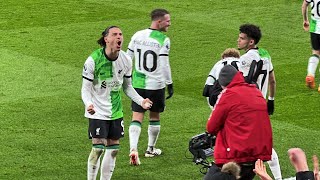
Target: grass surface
[{"x": 43, "y": 46}]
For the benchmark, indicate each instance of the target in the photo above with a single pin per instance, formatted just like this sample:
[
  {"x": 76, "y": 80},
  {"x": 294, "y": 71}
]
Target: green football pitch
[{"x": 43, "y": 47}]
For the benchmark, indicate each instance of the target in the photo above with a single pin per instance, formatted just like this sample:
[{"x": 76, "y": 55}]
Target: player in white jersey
[
  {"x": 257, "y": 68},
  {"x": 212, "y": 87},
  {"x": 106, "y": 71},
  {"x": 150, "y": 50},
  {"x": 314, "y": 28}
]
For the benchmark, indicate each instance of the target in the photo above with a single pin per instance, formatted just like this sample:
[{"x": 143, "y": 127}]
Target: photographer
[{"x": 241, "y": 123}]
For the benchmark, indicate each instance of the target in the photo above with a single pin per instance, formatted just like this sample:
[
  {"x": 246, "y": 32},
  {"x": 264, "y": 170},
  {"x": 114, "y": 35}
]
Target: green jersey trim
[
  {"x": 263, "y": 53},
  {"x": 313, "y": 24},
  {"x": 159, "y": 36},
  {"x": 117, "y": 110},
  {"x": 103, "y": 67},
  {"x": 115, "y": 146},
  {"x": 154, "y": 123},
  {"x": 139, "y": 80}
]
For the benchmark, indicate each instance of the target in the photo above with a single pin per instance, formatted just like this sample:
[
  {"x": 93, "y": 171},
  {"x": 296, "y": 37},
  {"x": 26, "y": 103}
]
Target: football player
[
  {"x": 212, "y": 87},
  {"x": 257, "y": 68},
  {"x": 150, "y": 50},
  {"x": 105, "y": 72},
  {"x": 314, "y": 30}
]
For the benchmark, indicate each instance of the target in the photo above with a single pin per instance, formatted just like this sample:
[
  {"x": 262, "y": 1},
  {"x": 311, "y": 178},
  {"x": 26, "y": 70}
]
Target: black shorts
[
  {"x": 109, "y": 129},
  {"x": 156, "y": 96},
  {"x": 315, "y": 41}
]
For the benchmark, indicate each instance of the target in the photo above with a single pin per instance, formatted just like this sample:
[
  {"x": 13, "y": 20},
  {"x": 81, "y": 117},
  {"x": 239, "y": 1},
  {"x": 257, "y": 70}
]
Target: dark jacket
[{"x": 241, "y": 123}]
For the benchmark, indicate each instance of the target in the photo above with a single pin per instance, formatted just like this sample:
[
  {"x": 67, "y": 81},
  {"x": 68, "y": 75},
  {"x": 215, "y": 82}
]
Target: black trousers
[{"x": 247, "y": 171}]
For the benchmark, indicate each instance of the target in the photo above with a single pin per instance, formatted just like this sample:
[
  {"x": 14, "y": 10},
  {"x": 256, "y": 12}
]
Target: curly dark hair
[{"x": 252, "y": 31}]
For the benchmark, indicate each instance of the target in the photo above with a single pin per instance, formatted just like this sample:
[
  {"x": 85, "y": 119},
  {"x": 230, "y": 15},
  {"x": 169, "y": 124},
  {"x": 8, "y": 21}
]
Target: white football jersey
[
  {"x": 315, "y": 15},
  {"x": 150, "y": 49},
  {"x": 214, "y": 73},
  {"x": 260, "y": 56},
  {"x": 107, "y": 79}
]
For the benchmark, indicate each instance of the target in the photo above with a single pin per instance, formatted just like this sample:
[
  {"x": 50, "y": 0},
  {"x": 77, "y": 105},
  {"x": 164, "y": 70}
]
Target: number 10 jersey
[{"x": 150, "y": 49}]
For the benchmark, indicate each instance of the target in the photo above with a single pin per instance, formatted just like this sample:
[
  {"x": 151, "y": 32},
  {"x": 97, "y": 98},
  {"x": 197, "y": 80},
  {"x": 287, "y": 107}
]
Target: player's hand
[
  {"x": 298, "y": 159},
  {"x": 306, "y": 25},
  {"x": 270, "y": 107},
  {"x": 147, "y": 103},
  {"x": 170, "y": 91},
  {"x": 90, "y": 109}
]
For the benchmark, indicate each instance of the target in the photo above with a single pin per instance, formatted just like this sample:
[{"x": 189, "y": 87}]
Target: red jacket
[{"x": 241, "y": 123}]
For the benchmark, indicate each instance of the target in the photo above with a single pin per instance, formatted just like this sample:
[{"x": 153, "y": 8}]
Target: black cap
[{"x": 226, "y": 75}]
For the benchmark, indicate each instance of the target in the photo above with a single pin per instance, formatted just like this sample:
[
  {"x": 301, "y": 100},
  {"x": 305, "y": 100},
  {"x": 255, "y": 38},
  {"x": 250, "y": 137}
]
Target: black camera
[{"x": 201, "y": 146}]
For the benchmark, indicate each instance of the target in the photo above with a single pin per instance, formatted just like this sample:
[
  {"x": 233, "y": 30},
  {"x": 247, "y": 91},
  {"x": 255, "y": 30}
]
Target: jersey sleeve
[
  {"x": 164, "y": 60},
  {"x": 164, "y": 51},
  {"x": 128, "y": 61},
  {"x": 88, "y": 69},
  {"x": 130, "y": 50},
  {"x": 88, "y": 76}
]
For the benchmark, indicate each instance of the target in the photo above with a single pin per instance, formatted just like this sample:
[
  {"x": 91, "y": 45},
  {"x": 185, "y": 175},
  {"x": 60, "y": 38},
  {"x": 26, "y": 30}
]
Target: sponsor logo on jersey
[
  {"x": 119, "y": 71},
  {"x": 110, "y": 84}
]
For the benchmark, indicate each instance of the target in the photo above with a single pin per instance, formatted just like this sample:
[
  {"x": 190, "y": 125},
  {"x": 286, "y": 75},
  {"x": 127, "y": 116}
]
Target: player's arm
[
  {"x": 131, "y": 92},
  {"x": 211, "y": 79},
  {"x": 272, "y": 84},
  {"x": 272, "y": 91},
  {"x": 165, "y": 65},
  {"x": 87, "y": 79},
  {"x": 304, "y": 10},
  {"x": 133, "y": 95}
]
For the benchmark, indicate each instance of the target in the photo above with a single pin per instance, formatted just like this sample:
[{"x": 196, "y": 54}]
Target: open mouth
[{"x": 119, "y": 43}]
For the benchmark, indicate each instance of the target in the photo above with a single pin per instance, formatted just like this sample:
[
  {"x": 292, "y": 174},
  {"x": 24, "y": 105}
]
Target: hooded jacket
[{"x": 241, "y": 123}]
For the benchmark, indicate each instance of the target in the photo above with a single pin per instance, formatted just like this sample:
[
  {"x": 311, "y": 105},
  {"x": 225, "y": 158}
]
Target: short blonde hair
[{"x": 230, "y": 52}]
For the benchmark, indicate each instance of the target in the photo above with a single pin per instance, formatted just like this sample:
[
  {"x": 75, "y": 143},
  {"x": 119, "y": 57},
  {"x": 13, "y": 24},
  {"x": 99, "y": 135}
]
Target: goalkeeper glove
[
  {"x": 270, "y": 107},
  {"x": 170, "y": 91}
]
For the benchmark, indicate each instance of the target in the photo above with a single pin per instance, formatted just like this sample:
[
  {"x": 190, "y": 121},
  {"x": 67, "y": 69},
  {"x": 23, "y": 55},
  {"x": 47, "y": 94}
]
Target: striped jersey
[
  {"x": 150, "y": 50},
  {"x": 107, "y": 79},
  {"x": 260, "y": 56}
]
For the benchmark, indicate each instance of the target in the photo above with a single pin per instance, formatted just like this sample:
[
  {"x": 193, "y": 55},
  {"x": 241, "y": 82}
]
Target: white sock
[
  {"x": 134, "y": 134},
  {"x": 94, "y": 161},
  {"x": 275, "y": 165},
  {"x": 153, "y": 133},
  {"x": 109, "y": 162},
  {"x": 312, "y": 65}
]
